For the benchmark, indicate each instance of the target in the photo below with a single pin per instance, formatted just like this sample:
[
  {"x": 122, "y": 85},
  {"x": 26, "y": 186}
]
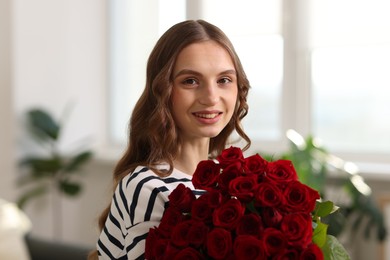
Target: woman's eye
[
  {"x": 224, "y": 80},
  {"x": 190, "y": 82}
]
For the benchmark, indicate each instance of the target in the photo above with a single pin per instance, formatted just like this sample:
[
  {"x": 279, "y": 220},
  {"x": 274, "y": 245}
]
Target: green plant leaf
[
  {"x": 319, "y": 234},
  {"x": 324, "y": 208},
  {"x": 77, "y": 161},
  {"x": 70, "y": 188},
  {"x": 251, "y": 207},
  {"x": 336, "y": 222},
  {"x": 381, "y": 233},
  {"x": 42, "y": 167},
  {"x": 334, "y": 250},
  {"x": 30, "y": 194},
  {"x": 44, "y": 124},
  {"x": 357, "y": 221},
  {"x": 365, "y": 206}
]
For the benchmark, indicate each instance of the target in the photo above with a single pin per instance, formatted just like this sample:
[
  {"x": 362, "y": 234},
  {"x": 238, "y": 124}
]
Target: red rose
[
  {"x": 300, "y": 197},
  {"x": 287, "y": 254},
  {"x": 179, "y": 234},
  {"x": 250, "y": 224},
  {"x": 268, "y": 195},
  {"x": 256, "y": 164},
  {"x": 163, "y": 247},
  {"x": 230, "y": 155},
  {"x": 219, "y": 243},
  {"x": 248, "y": 247},
  {"x": 312, "y": 252},
  {"x": 297, "y": 227},
  {"x": 212, "y": 197},
  {"x": 271, "y": 217},
  {"x": 150, "y": 241},
  {"x": 189, "y": 232},
  {"x": 228, "y": 215},
  {"x": 274, "y": 241},
  {"x": 206, "y": 174},
  {"x": 182, "y": 198},
  {"x": 188, "y": 253},
  {"x": 160, "y": 247},
  {"x": 172, "y": 216},
  {"x": 281, "y": 171},
  {"x": 231, "y": 172},
  {"x": 243, "y": 187},
  {"x": 197, "y": 233},
  {"x": 201, "y": 210}
]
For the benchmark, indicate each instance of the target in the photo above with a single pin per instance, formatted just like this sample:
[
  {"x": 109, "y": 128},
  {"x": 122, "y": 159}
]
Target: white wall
[
  {"x": 54, "y": 55},
  {"x": 7, "y": 154},
  {"x": 59, "y": 59}
]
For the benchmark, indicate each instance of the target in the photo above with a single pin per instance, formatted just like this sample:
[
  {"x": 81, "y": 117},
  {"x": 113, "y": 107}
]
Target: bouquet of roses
[{"x": 250, "y": 209}]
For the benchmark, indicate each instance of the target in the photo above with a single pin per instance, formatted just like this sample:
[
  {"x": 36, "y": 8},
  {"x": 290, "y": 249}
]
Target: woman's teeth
[{"x": 207, "y": 115}]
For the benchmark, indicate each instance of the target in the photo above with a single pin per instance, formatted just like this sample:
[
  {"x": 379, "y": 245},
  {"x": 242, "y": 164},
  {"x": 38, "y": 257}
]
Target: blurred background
[{"x": 318, "y": 67}]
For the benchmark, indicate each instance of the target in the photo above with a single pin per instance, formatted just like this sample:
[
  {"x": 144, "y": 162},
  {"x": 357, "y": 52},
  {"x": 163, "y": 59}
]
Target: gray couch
[{"x": 41, "y": 249}]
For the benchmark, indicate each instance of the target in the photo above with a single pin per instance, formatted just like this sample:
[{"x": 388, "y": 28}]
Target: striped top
[{"x": 137, "y": 205}]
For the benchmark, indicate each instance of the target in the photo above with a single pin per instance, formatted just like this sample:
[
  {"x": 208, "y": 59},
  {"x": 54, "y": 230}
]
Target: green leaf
[
  {"x": 43, "y": 123},
  {"x": 337, "y": 222},
  {"x": 357, "y": 221},
  {"x": 69, "y": 188},
  {"x": 42, "y": 167},
  {"x": 324, "y": 208},
  {"x": 319, "y": 234},
  {"x": 35, "y": 192},
  {"x": 251, "y": 207},
  {"x": 77, "y": 161},
  {"x": 334, "y": 250}
]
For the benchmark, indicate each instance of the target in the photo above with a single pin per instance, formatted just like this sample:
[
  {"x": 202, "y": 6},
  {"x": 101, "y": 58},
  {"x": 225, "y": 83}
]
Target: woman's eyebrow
[
  {"x": 193, "y": 72},
  {"x": 186, "y": 72},
  {"x": 228, "y": 72}
]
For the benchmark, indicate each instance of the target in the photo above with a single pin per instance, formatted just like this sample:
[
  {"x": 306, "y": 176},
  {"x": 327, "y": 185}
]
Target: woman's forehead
[{"x": 204, "y": 56}]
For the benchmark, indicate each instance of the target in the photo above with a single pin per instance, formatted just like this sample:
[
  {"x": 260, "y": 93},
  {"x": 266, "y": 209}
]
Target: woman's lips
[{"x": 208, "y": 117}]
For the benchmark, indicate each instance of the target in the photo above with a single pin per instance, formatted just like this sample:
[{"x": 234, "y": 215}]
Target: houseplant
[
  {"x": 51, "y": 171},
  {"x": 315, "y": 166}
]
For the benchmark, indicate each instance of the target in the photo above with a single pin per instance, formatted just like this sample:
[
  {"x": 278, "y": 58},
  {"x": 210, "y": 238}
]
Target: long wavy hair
[{"x": 153, "y": 134}]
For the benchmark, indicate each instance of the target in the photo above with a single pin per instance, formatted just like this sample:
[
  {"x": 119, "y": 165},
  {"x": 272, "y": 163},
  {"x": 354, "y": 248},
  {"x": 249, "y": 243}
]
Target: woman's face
[{"x": 204, "y": 92}]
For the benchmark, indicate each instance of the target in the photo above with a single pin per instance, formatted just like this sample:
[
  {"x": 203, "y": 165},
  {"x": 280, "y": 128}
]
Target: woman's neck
[{"x": 190, "y": 155}]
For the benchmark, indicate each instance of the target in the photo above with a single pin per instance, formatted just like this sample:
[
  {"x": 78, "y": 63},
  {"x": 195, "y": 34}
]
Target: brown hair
[{"x": 153, "y": 136}]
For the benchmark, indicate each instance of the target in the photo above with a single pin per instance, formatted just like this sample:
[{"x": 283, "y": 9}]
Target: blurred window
[{"x": 316, "y": 66}]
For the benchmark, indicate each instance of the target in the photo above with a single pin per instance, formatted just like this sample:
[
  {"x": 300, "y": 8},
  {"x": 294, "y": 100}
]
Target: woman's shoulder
[{"x": 145, "y": 176}]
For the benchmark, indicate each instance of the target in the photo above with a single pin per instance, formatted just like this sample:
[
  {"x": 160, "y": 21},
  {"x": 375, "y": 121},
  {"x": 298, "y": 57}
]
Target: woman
[{"x": 195, "y": 97}]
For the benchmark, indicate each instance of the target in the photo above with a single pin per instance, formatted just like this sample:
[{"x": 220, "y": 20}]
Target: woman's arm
[{"x": 138, "y": 204}]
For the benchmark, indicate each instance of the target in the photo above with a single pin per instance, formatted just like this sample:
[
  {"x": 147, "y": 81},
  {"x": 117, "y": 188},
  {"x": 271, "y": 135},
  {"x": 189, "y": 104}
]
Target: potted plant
[
  {"x": 52, "y": 172},
  {"x": 314, "y": 166}
]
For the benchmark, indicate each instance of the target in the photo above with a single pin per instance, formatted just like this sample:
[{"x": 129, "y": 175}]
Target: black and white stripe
[{"x": 137, "y": 205}]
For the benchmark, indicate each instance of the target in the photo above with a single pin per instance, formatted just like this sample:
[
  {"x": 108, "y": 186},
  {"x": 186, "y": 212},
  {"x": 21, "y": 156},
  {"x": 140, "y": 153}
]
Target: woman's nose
[{"x": 209, "y": 94}]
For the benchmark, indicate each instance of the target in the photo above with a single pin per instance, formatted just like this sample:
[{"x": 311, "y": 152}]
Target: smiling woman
[{"x": 194, "y": 99}]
